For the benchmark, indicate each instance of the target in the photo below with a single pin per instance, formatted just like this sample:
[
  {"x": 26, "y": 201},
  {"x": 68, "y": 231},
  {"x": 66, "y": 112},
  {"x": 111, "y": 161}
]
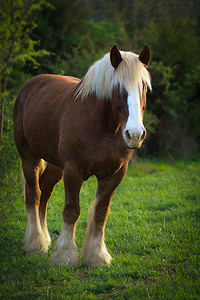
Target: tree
[{"x": 16, "y": 46}]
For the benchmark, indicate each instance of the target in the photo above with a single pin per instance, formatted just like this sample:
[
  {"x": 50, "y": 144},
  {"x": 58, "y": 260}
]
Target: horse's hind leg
[
  {"x": 48, "y": 180},
  {"x": 65, "y": 251},
  {"x": 94, "y": 250},
  {"x": 35, "y": 241}
]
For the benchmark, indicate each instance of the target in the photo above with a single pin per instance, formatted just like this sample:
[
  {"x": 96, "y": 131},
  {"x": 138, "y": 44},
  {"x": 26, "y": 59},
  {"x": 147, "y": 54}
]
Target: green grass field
[{"x": 152, "y": 233}]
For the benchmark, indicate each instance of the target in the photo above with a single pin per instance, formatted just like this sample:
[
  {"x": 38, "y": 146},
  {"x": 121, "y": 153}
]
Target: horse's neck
[{"x": 104, "y": 112}]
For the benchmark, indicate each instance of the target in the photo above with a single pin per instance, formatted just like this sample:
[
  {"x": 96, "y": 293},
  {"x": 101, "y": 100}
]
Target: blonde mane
[{"x": 102, "y": 77}]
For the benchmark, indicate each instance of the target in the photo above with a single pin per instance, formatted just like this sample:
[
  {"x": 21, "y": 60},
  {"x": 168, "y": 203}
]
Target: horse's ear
[
  {"x": 115, "y": 56},
  {"x": 145, "y": 55}
]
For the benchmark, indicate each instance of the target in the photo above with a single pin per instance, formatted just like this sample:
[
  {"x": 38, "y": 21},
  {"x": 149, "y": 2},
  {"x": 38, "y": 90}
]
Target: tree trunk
[{"x": 2, "y": 117}]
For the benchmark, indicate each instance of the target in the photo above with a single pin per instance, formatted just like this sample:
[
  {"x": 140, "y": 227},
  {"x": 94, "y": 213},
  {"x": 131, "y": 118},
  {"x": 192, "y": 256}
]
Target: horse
[{"x": 80, "y": 128}]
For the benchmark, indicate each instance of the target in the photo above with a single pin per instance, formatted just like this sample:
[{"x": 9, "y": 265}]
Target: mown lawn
[{"x": 152, "y": 234}]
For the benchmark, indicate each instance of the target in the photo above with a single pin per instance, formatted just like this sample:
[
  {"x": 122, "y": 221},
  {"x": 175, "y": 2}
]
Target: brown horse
[{"x": 80, "y": 128}]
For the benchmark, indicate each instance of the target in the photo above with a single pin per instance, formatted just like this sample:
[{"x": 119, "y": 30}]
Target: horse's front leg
[
  {"x": 65, "y": 249},
  {"x": 94, "y": 250}
]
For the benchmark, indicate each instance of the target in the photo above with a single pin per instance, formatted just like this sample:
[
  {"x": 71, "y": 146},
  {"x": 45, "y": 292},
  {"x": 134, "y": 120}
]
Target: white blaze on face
[{"x": 134, "y": 124}]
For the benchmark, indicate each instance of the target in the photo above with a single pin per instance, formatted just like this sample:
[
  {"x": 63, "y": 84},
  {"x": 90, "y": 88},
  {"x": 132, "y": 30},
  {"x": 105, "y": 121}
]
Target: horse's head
[
  {"x": 123, "y": 77},
  {"x": 132, "y": 80}
]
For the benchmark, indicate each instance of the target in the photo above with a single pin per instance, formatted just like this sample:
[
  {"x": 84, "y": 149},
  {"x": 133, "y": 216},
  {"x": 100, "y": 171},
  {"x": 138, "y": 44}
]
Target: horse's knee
[
  {"x": 72, "y": 181},
  {"x": 71, "y": 214}
]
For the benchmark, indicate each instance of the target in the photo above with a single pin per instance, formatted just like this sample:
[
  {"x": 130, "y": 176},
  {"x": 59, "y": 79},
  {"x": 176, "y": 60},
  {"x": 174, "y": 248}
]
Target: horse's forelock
[{"x": 102, "y": 78}]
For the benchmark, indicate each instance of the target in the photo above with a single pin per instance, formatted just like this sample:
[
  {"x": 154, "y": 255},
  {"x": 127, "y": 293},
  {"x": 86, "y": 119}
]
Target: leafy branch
[{"x": 16, "y": 45}]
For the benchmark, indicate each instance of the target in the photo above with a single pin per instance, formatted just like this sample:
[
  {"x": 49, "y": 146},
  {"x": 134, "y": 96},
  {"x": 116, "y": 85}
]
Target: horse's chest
[
  {"x": 95, "y": 154},
  {"x": 106, "y": 159}
]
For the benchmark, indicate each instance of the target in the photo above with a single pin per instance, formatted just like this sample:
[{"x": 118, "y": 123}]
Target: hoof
[
  {"x": 65, "y": 255},
  {"x": 95, "y": 256},
  {"x": 65, "y": 251},
  {"x": 36, "y": 244}
]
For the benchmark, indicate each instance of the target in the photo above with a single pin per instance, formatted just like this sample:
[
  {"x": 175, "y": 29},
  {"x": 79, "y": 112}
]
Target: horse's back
[{"x": 38, "y": 86}]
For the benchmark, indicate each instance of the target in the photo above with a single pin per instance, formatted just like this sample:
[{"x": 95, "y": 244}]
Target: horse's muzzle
[{"x": 134, "y": 140}]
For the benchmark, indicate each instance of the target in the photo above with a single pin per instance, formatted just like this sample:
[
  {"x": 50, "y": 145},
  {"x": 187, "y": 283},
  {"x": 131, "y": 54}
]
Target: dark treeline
[{"x": 66, "y": 37}]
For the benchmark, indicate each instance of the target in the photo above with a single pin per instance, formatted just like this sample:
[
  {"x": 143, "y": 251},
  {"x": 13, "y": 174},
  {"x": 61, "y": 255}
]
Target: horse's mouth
[{"x": 134, "y": 142}]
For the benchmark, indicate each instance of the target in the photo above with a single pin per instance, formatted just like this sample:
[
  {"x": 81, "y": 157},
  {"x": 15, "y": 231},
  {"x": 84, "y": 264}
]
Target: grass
[{"x": 152, "y": 234}]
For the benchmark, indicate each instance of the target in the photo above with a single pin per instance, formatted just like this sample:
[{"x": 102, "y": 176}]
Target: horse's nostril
[
  {"x": 128, "y": 135},
  {"x": 144, "y": 134}
]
